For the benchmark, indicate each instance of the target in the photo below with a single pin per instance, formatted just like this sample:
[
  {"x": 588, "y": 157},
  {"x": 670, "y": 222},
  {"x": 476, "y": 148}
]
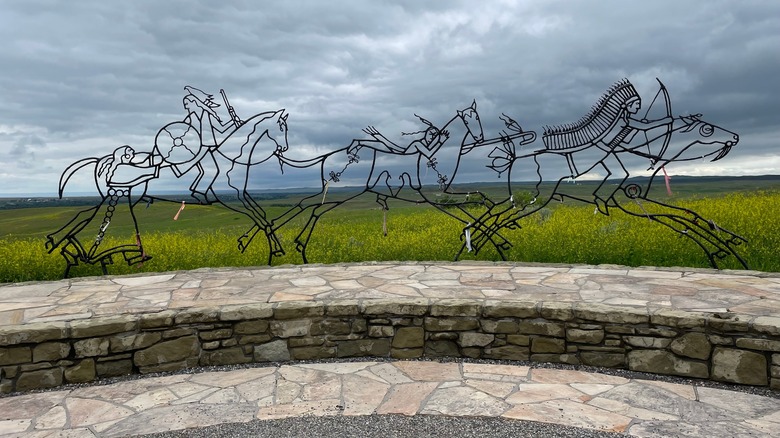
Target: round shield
[{"x": 178, "y": 142}]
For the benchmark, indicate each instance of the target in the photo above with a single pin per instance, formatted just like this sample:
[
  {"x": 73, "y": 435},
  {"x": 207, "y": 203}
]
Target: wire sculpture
[
  {"x": 215, "y": 159},
  {"x": 611, "y": 129}
]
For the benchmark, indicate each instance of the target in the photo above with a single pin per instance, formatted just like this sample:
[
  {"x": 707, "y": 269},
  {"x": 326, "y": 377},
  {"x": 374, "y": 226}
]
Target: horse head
[
  {"x": 693, "y": 139},
  {"x": 705, "y": 133},
  {"x": 696, "y": 139},
  {"x": 471, "y": 121},
  {"x": 281, "y": 138}
]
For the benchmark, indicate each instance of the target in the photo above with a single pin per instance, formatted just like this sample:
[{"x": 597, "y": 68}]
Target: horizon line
[{"x": 309, "y": 188}]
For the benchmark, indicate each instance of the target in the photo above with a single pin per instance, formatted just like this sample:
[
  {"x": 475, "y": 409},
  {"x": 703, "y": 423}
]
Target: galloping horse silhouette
[
  {"x": 694, "y": 139},
  {"x": 131, "y": 175},
  {"x": 259, "y": 139},
  {"x": 364, "y": 161}
]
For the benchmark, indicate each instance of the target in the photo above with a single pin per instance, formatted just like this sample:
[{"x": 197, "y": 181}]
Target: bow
[{"x": 668, "y": 133}]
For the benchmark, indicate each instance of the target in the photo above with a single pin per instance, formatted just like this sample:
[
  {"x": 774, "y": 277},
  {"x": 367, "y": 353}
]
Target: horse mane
[{"x": 595, "y": 124}]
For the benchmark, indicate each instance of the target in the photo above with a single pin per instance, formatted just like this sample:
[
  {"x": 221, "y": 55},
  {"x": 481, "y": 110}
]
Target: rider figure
[
  {"x": 200, "y": 114},
  {"x": 622, "y": 132},
  {"x": 427, "y": 145},
  {"x": 610, "y": 126}
]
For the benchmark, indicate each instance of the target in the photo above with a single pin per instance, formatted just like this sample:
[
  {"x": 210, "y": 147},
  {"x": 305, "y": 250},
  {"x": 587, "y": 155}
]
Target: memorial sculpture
[{"x": 213, "y": 160}]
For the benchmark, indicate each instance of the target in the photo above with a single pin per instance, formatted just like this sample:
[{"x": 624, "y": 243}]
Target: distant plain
[{"x": 569, "y": 232}]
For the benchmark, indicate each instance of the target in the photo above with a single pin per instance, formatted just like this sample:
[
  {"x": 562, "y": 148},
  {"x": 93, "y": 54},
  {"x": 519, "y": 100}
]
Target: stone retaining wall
[{"x": 722, "y": 347}]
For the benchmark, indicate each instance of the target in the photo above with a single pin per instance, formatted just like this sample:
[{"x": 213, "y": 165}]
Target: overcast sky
[{"x": 84, "y": 77}]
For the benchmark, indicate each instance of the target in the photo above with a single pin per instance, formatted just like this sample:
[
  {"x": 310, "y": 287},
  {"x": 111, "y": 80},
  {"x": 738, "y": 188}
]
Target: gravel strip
[{"x": 388, "y": 426}]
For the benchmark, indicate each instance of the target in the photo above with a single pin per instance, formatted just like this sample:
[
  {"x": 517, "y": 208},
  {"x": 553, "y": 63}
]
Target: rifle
[{"x": 236, "y": 120}]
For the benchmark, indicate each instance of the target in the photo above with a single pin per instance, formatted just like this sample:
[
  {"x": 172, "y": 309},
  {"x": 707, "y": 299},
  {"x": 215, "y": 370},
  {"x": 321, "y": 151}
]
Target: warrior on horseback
[
  {"x": 609, "y": 126},
  {"x": 202, "y": 116},
  {"x": 431, "y": 140},
  {"x": 426, "y": 145}
]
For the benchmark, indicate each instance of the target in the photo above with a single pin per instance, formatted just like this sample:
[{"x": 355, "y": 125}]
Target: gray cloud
[
  {"x": 81, "y": 78},
  {"x": 25, "y": 150}
]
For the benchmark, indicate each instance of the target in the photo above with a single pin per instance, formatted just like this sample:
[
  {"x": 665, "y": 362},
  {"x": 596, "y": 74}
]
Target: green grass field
[{"x": 205, "y": 236}]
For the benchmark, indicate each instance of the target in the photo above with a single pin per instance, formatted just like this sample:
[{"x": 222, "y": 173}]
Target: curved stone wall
[{"x": 723, "y": 347}]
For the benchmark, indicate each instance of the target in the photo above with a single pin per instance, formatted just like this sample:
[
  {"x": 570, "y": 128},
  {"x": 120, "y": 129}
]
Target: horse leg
[
  {"x": 484, "y": 231},
  {"x": 730, "y": 242},
  {"x": 489, "y": 221},
  {"x": 236, "y": 178},
  {"x": 275, "y": 246},
  {"x": 257, "y": 213},
  {"x": 699, "y": 221},
  {"x": 141, "y": 256},
  {"x": 245, "y": 239},
  {"x": 56, "y": 238},
  {"x": 489, "y": 231},
  {"x": 382, "y": 201},
  {"x": 681, "y": 229},
  {"x": 329, "y": 172},
  {"x": 482, "y": 235},
  {"x": 302, "y": 205},
  {"x": 302, "y": 240},
  {"x": 261, "y": 220},
  {"x": 253, "y": 210},
  {"x": 703, "y": 235},
  {"x": 602, "y": 196},
  {"x": 507, "y": 214},
  {"x": 313, "y": 201},
  {"x": 104, "y": 265},
  {"x": 500, "y": 245},
  {"x": 72, "y": 252},
  {"x": 484, "y": 238}
]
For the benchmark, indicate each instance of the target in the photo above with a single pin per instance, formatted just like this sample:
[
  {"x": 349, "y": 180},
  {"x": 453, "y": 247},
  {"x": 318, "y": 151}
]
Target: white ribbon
[
  {"x": 467, "y": 233},
  {"x": 325, "y": 191}
]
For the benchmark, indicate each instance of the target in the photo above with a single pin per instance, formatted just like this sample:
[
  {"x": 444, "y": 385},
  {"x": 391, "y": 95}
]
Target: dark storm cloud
[{"x": 85, "y": 77}]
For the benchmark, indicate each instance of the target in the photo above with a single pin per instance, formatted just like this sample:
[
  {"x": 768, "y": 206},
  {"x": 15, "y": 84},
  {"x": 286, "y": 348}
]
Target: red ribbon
[
  {"x": 179, "y": 212},
  {"x": 143, "y": 253},
  {"x": 667, "y": 180}
]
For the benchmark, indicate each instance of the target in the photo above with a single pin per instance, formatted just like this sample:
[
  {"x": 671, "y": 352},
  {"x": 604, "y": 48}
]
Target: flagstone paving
[
  {"x": 747, "y": 292},
  {"x": 645, "y": 408}
]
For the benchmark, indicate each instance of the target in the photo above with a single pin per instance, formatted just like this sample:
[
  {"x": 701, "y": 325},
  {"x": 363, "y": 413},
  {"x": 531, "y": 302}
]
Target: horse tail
[{"x": 73, "y": 168}]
